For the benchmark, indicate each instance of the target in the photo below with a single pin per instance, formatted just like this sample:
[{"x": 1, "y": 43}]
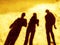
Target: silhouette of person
[
  {"x": 15, "y": 30},
  {"x": 31, "y": 29},
  {"x": 50, "y": 22}
]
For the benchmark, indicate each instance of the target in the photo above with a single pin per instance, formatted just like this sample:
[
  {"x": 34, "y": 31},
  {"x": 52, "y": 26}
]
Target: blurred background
[{"x": 10, "y": 10}]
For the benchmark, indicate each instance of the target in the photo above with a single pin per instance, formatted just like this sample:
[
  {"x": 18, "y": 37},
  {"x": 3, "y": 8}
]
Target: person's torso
[
  {"x": 50, "y": 20},
  {"x": 19, "y": 23}
]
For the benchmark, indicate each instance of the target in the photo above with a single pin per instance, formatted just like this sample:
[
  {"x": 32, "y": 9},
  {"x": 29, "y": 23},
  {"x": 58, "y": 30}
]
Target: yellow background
[{"x": 10, "y": 10}]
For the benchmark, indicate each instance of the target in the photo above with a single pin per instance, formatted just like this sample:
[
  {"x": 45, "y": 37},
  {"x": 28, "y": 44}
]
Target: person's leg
[
  {"x": 13, "y": 39},
  {"x": 26, "y": 38},
  {"x": 8, "y": 40},
  {"x": 48, "y": 38},
  {"x": 47, "y": 33},
  {"x": 31, "y": 38},
  {"x": 53, "y": 37}
]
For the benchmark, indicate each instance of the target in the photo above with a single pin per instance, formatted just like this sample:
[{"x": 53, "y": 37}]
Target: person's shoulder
[
  {"x": 51, "y": 13},
  {"x": 45, "y": 15},
  {"x": 17, "y": 19},
  {"x": 25, "y": 19}
]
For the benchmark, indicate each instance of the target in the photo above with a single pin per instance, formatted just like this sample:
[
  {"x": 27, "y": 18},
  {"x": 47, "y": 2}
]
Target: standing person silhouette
[
  {"x": 31, "y": 29},
  {"x": 50, "y": 22},
  {"x": 15, "y": 30}
]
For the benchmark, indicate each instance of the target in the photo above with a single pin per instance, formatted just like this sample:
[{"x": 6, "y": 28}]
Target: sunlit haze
[{"x": 10, "y": 10}]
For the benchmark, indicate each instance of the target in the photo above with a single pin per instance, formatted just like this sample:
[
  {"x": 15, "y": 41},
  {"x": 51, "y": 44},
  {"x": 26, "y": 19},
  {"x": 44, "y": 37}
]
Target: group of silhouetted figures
[{"x": 20, "y": 22}]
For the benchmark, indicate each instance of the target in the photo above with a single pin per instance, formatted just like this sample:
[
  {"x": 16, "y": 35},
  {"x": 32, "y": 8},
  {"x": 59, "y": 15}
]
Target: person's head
[
  {"x": 34, "y": 14},
  {"x": 47, "y": 11},
  {"x": 23, "y": 14}
]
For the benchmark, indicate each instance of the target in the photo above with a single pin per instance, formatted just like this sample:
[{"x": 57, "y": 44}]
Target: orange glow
[{"x": 9, "y": 12}]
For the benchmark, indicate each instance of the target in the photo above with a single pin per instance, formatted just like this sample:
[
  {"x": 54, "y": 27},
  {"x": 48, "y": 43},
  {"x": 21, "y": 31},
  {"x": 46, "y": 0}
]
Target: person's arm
[
  {"x": 25, "y": 23},
  {"x": 55, "y": 26},
  {"x": 13, "y": 24},
  {"x": 37, "y": 22}
]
